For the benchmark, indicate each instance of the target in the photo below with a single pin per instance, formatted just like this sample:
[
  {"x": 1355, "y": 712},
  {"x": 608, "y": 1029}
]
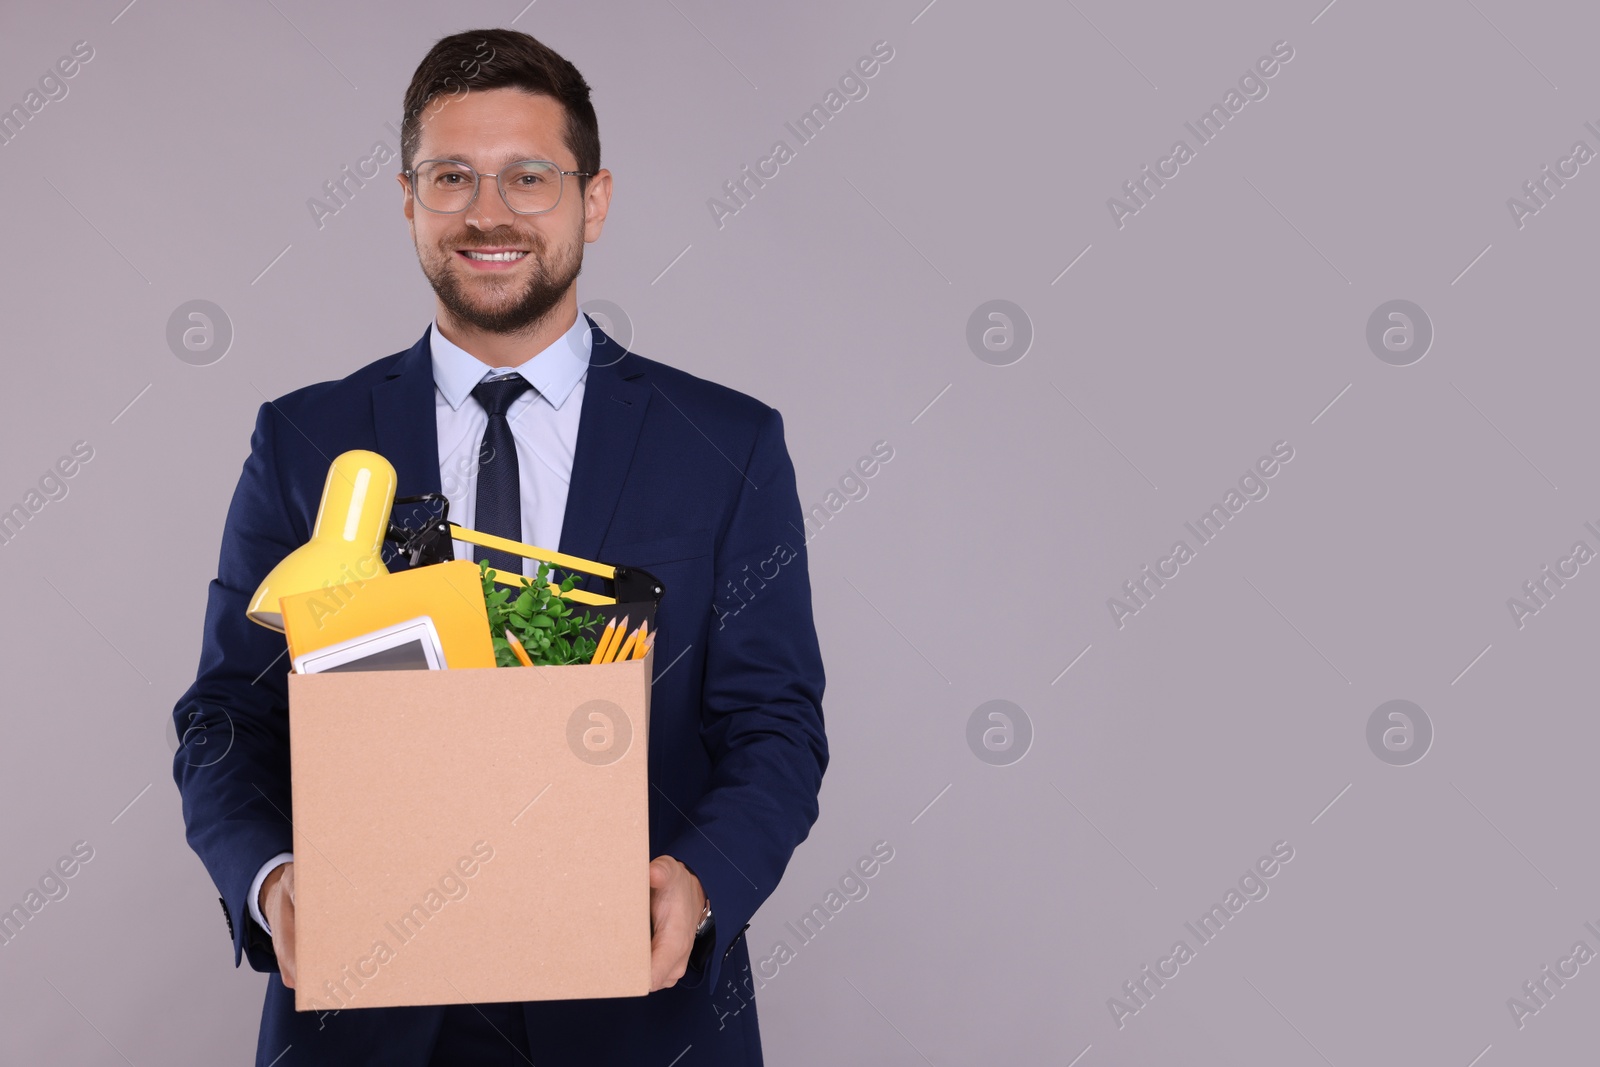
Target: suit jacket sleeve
[
  {"x": 232, "y": 765},
  {"x": 761, "y": 719}
]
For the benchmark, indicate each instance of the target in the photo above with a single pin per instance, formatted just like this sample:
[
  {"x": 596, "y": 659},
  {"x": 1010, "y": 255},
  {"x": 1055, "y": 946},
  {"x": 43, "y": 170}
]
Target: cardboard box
[{"x": 470, "y": 836}]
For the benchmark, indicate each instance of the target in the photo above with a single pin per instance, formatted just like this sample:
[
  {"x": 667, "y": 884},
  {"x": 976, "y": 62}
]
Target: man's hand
[
  {"x": 676, "y": 903},
  {"x": 277, "y": 904}
]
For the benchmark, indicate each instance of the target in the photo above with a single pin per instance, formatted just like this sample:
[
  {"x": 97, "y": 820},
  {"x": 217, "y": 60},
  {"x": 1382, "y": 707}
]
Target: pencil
[
  {"x": 517, "y": 649},
  {"x": 644, "y": 647},
  {"x": 605, "y": 639},
  {"x": 615, "y": 641},
  {"x": 627, "y": 648},
  {"x": 644, "y": 639}
]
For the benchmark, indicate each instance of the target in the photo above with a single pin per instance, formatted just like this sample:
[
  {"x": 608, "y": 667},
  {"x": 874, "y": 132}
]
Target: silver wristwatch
[{"x": 705, "y": 919}]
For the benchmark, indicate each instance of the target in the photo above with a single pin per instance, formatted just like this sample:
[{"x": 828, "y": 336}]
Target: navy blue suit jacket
[{"x": 683, "y": 477}]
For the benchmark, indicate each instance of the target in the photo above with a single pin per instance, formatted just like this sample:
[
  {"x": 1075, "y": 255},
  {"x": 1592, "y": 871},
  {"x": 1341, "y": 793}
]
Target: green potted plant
[{"x": 551, "y": 631}]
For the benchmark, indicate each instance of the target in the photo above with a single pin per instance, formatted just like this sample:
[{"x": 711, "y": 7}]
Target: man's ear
[
  {"x": 409, "y": 203},
  {"x": 596, "y": 204}
]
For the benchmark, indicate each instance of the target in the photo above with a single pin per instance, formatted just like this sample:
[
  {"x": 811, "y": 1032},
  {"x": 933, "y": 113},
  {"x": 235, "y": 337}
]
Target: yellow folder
[{"x": 449, "y": 593}]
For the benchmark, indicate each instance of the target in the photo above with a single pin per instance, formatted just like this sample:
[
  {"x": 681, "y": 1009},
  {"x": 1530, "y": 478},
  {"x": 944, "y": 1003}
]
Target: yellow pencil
[
  {"x": 616, "y": 640},
  {"x": 644, "y": 639},
  {"x": 627, "y": 648},
  {"x": 644, "y": 647},
  {"x": 605, "y": 639},
  {"x": 517, "y": 649}
]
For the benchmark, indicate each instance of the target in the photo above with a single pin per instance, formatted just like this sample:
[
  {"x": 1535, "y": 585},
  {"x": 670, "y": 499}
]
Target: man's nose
[{"x": 489, "y": 210}]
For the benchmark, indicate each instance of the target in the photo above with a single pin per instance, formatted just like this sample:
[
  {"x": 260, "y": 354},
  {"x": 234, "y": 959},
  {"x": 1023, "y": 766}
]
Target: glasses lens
[
  {"x": 445, "y": 186},
  {"x": 531, "y": 186}
]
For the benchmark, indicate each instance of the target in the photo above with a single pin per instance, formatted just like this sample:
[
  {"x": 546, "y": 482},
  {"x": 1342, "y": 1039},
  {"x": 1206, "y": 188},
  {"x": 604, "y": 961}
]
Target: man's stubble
[{"x": 544, "y": 287}]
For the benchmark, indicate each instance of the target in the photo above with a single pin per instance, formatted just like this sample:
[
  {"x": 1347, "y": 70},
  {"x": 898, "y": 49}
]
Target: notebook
[{"x": 450, "y": 594}]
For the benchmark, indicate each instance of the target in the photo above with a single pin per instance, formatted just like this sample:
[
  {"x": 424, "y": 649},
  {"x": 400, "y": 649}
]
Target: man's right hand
[{"x": 277, "y": 904}]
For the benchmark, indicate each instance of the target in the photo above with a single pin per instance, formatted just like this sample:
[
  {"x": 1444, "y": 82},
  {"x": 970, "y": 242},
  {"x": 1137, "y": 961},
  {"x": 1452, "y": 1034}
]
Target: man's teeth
[{"x": 496, "y": 257}]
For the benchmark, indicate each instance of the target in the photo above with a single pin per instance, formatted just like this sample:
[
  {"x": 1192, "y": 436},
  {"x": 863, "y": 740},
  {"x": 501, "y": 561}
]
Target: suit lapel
[
  {"x": 615, "y": 396},
  {"x": 408, "y": 432}
]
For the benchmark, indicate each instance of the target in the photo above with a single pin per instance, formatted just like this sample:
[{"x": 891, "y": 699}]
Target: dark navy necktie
[{"x": 498, "y": 510}]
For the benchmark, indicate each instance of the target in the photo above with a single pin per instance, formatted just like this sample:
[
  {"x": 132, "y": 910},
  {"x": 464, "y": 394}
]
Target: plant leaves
[{"x": 552, "y": 629}]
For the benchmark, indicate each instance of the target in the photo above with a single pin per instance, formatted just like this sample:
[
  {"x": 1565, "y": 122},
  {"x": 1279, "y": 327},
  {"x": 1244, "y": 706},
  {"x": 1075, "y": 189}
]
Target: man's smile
[{"x": 492, "y": 259}]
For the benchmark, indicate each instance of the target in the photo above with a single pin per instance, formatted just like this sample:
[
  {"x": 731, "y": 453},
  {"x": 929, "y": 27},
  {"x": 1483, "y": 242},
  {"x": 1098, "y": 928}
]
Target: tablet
[{"x": 412, "y": 645}]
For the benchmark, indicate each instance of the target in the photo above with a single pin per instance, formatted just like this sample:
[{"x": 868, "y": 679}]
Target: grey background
[{"x": 1227, "y": 315}]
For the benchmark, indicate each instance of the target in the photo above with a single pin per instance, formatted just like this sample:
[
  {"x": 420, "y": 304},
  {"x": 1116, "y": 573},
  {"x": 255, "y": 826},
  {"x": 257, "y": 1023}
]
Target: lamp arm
[{"x": 430, "y": 543}]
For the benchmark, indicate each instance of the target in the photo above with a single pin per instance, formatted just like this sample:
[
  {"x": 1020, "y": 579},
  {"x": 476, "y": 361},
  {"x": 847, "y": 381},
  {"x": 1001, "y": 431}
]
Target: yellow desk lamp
[{"x": 353, "y": 522}]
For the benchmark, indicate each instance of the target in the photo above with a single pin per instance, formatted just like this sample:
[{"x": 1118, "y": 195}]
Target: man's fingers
[
  {"x": 286, "y": 961},
  {"x": 658, "y": 906},
  {"x": 283, "y": 928},
  {"x": 671, "y": 928},
  {"x": 669, "y": 952},
  {"x": 660, "y": 874},
  {"x": 285, "y": 951}
]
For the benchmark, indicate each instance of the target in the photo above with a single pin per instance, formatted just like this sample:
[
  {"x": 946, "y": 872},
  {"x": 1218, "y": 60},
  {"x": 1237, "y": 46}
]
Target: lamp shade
[{"x": 347, "y": 541}]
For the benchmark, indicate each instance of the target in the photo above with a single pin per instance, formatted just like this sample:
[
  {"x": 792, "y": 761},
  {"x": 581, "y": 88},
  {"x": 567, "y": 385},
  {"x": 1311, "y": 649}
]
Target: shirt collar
[{"x": 554, "y": 372}]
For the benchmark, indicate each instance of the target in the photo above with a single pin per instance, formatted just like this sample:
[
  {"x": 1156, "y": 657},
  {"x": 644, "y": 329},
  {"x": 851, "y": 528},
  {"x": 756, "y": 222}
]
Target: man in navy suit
[{"x": 535, "y": 424}]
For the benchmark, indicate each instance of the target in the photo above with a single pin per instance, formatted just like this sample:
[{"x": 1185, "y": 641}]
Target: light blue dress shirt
[{"x": 544, "y": 424}]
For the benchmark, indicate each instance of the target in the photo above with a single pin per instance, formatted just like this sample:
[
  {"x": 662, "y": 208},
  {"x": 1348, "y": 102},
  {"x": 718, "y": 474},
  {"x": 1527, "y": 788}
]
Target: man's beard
[{"x": 547, "y": 283}]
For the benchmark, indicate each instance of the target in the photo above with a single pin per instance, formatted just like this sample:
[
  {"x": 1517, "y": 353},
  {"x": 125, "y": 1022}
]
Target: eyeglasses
[{"x": 449, "y": 186}]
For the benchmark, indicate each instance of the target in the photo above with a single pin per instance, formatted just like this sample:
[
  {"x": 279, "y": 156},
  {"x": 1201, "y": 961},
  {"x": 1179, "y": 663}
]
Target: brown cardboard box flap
[{"x": 468, "y": 836}]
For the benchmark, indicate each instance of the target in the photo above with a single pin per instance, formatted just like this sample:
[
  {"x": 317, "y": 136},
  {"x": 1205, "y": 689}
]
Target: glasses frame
[{"x": 477, "y": 186}]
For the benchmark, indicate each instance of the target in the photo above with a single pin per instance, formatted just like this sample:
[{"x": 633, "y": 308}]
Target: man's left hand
[{"x": 676, "y": 903}]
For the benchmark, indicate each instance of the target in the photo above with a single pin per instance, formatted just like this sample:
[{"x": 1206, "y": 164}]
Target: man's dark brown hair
[{"x": 496, "y": 59}]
